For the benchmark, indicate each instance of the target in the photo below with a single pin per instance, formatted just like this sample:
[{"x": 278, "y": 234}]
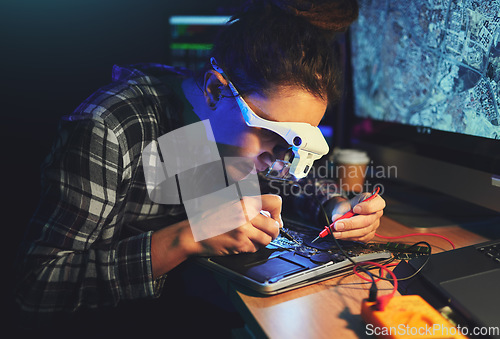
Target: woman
[{"x": 79, "y": 251}]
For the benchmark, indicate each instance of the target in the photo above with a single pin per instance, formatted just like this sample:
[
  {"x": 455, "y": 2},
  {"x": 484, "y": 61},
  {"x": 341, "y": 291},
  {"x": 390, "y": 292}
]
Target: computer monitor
[
  {"x": 426, "y": 93},
  {"x": 191, "y": 39}
]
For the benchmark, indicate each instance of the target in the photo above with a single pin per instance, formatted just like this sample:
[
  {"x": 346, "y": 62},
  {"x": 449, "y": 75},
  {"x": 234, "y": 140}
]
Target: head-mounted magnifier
[{"x": 306, "y": 141}]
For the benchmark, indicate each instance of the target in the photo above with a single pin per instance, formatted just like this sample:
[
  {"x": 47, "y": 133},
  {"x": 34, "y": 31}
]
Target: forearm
[{"x": 170, "y": 246}]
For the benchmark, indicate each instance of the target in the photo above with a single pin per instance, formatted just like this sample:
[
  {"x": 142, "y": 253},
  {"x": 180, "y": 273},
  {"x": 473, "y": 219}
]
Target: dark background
[{"x": 53, "y": 55}]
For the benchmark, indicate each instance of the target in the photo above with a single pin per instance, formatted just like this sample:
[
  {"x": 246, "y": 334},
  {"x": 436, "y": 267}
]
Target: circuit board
[
  {"x": 292, "y": 260},
  {"x": 298, "y": 239}
]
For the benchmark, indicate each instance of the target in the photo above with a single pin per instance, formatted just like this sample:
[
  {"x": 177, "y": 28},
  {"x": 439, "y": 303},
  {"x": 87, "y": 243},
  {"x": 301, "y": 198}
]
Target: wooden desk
[{"x": 330, "y": 308}]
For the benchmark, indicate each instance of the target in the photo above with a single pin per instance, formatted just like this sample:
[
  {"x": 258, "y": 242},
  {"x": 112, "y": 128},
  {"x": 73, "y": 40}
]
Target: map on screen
[{"x": 429, "y": 63}]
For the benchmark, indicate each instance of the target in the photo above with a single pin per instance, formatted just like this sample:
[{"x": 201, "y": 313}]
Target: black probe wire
[
  {"x": 371, "y": 267},
  {"x": 365, "y": 270},
  {"x": 336, "y": 242},
  {"x": 419, "y": 269},
  {"x": 370, "y": 274}
]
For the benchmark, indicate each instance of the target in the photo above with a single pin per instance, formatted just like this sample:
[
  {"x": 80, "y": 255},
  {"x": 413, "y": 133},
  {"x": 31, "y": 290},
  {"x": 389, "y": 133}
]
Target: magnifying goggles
[{"x": 307, "y": 144}]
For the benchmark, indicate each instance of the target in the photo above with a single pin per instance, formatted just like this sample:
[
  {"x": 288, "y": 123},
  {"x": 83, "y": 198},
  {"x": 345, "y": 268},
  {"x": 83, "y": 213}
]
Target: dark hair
[{"x": 285, "y": 42}]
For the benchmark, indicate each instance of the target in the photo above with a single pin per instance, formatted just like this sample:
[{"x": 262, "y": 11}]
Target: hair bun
[{"x": 330, "y": 15}]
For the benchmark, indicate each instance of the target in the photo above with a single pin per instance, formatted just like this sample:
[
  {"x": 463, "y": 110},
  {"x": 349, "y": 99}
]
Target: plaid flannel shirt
[{"x": 78, "y": 249}]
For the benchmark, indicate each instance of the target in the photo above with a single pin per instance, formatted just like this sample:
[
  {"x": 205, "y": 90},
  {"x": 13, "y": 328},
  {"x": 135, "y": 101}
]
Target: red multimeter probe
[{"x": 349, "y": 214}]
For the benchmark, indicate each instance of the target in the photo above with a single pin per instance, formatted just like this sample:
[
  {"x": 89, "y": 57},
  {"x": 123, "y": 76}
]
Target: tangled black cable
[{"x": 365, "y": 270}]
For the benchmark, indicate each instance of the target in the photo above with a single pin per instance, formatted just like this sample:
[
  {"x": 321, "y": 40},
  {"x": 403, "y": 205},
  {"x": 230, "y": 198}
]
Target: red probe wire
[
  {"x": 384, "y": 299},
  {"x": 349, "y": 214},
  {"x": 367, "y": 279},
  {"x": 382, "y": 267}
]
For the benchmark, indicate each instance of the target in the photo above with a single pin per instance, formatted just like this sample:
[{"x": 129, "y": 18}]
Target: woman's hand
[
  {"x": 173, "y": 244},
  {"x": 252, "y": 235},
  {"x": 363, "y": 225}
]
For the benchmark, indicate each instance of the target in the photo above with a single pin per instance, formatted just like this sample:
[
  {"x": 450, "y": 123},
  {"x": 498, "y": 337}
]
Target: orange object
[{"x": 407, "y": 316}]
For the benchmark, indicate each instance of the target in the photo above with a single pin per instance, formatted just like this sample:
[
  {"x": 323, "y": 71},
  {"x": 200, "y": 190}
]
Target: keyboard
[{"x": 492, "y": 251}]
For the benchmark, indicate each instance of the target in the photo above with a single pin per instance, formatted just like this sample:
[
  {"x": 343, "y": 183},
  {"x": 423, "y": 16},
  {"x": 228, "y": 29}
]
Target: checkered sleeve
[{"x": 71, "y": 255}]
